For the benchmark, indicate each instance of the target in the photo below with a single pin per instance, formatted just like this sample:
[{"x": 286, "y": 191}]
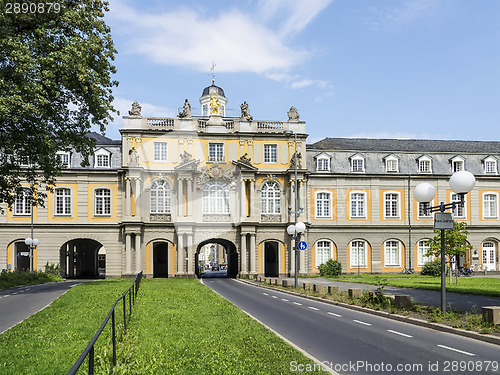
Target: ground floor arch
[
  {"x": 229, "y": 251},
  {"x": 82, "y": 258}
]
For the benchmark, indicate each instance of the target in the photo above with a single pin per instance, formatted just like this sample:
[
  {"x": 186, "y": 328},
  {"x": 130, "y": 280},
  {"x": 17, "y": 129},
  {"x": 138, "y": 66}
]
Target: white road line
[
  {"x": 313, "y": 308},
  {"x": 457, "y": 350},
  {"x": 360, "y": 322},
  {"x": 274, "y": 296},
  {"x": 399, "y": 333},
  {"x": 296, "y": 303},
  {"x": 284, "y": 299},
  {"x": 14, "y": 293},
  {"x": 7, "y": 295},
  {"x": 265, "y": 294},
  {"x": 337, "y": 315}
]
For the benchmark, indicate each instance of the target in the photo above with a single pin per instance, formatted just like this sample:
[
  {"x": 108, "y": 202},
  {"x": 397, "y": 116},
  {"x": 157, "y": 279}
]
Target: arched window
[
  {"x": 215, "y": 198},
  {"x": 392, "y": 253},
  {"x": 323, "y": 252},
  {"x": 270, "y": 198},
  {"x": 422, "y": 249},
  {"x": 160, "y": 197},
  {"x": 358, "y": 254}
]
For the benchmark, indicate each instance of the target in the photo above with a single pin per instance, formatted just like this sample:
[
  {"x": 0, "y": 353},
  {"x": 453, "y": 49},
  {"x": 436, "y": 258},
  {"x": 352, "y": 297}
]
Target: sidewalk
[{"x": 460, "y": 302}]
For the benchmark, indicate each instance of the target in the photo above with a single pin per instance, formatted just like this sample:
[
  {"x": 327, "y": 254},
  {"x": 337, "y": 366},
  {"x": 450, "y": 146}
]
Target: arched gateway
[
  {"x": 83, "y": 257},
  {"x": 231, "y": 253}
]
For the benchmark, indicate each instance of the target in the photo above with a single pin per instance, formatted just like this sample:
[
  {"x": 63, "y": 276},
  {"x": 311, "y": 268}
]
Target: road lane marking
[
  {"x": 274, "y": 296},
  {"x": 265, "y": 294},
  {"x": 296, "y": 303},
  {"x": 284, "y": 299},
  {"x": 337, "y": 315},
  {"x": 360, "y": 322},
  {"x": 457, "y": 350},
  {"x": 399, "y": 333},
  {"x": 313, "y": 308},
  {"x": 14, "y": 293}
]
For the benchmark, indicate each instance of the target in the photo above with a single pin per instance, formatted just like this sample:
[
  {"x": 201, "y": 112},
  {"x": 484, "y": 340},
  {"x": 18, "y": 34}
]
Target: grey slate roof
[
  {"x": 102, "y": 140},
  {"x": 408, "y": 145}
]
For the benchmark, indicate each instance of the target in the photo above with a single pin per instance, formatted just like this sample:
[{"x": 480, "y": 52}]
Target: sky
[{"x": 421, "y": 69}]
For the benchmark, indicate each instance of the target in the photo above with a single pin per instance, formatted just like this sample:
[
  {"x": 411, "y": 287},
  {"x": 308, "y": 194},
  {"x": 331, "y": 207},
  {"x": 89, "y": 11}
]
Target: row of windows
[
  {"x": 358, "y": 254},
  {"x": 424, "y": 164},
  {"x": 101, "y": 159}
]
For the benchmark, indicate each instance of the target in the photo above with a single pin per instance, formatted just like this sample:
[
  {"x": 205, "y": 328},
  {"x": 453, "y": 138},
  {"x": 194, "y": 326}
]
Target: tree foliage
[
  {"x": 55, "y": 83},
  {"x": 455, "y": 241}
]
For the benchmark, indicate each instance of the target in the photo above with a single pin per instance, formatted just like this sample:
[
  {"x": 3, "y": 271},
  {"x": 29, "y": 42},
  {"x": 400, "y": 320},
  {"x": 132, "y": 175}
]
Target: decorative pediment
[
  {"x": 244, "y": 163},
  {"x": 187, "y": 162},
  {"x": 215, "y": 173}
]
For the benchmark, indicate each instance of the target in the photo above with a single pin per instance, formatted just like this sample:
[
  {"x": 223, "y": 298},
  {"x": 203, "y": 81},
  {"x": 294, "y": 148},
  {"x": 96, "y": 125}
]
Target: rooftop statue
[
  {"x": 186, "y": 110},
  {"x": 214, "y": 105},
  {"x": 245, "y": 114},
  {"x": 293, "y": 115},
  {"x": 135, "y": 110}
]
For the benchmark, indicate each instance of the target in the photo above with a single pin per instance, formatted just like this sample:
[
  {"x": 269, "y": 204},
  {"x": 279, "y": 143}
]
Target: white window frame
[
  {"x": 354, "y": 205},
  {"x": 490, "y": 209},
  {"x": 215, "y": 199},
  {"x": 394, "y": 168},
  {"x": 98, "y": 161},
  {"x": 23, "y": 203},
  {"x": 323, "y": 164},
  {"x": 61, "y": 155},
  {"x": 324, "y": 252},
  {"x": 270, "y": 196},
  {"x": 270, "y": 153},
  {"x": 420, "y": 210},
  {"x": 102, "y": 200},
  {"x": 457, "y": 164},
  {"x": 490, "y": 165},
  {"x": 422, "y": 248},
  {"x": 215, "y": 152},
  {"x": 63, "y": 199},
  {"x": 392, "y": 254},
  {"x": 354, "y": 161},
  {"x": 353, "y": 253},
  {"x": 160, "y": 151},
  {"x": 388, "y": 214},
  {"x": 160, "y": 197},
  {"x": 425, "y": 165},
  {"x": 460, "y": 212},
  {"x": 323, "y": 204}
]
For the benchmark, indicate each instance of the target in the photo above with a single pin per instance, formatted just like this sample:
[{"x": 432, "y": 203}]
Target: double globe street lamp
[
  {"x": 461, "y": 183},
  {"x": 296, "y": 231}
]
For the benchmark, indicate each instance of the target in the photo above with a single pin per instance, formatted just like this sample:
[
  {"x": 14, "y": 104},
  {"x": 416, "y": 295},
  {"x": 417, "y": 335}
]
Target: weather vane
[{"x": 212, "y": 71}]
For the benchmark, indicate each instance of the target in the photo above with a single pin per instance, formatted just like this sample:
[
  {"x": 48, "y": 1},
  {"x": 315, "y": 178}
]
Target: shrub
[
  {"x": 432, "y": 268},
  {"x": 53, "y": 269},
  {"x": 332, "y": 268}
]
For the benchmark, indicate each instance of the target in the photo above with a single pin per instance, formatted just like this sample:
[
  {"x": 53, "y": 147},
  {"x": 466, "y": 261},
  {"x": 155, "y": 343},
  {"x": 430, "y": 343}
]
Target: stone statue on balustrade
[
  {"x": 245, "y": 113},
  {"x": 135, "y": 110},
  {"x": 293, "y": 114},
  {"x": 299, "y": 161},
  {"x": 133, "y": 158},
  {"x": 186, "y": 110}
]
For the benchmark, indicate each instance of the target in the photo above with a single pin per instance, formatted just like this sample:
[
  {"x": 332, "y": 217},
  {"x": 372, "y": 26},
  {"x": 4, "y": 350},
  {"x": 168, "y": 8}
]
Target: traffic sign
[
  {"x": 302, "y": 245},
  {"x": 443, "y": 220}
]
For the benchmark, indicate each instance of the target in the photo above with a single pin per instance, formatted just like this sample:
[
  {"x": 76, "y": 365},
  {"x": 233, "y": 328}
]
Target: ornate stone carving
[
  {"x": 293, "y": 114},
  {"x": 245, "y": 159},
  {"x": 160, "y": 217},
  {"x": 299, "y": 161},
  {"x": 217, "y": 218},
  {"x": 133, "y": 157},
  {"x": 214, "y": 105},
  {"x": 135, "y": 110},
  {"x": 186, "y": 157},
  {"x": 215, "y": 173},
  {"x": 268, "y": 218},
  {"x": 186, "y": 111},
  {"x": 245, "y": 114}
]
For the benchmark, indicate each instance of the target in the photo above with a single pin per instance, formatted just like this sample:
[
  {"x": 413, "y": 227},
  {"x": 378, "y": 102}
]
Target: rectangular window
[
  {"x": 102, "y": 161},
  {"x": 423, "y": 209},
  {"x": 22, "y": 205},
  {"x": 322, "y": 205},
  {"x": 323, "y": 164},
  {"x": 103, "y": 202},
  {"x": 357, "y": 205},
  {"x": 391, "y": 205},
  {"x": 63, "y": 201},
  {"x": 391, "y": 165},
  {"x": 160, "y": 151},
  {"x": 424, "y": 166},
  {"x": 458, "y": 166},
  {"x": 391, "y": 253},
  {"x": 459, "y": 210},
  {"x": 216, "y": 152},
  {"x": 63, "y": 159},
  {"x": 490, "y": 205},
  {"x": 490, "y": 166},
  {"x": 270, "y": 154},
  {"x": 357, "y": 165}
]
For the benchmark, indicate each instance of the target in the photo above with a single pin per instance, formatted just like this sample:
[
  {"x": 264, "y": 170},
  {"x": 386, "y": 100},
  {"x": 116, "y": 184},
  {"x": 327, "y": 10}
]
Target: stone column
[
  {"x": 250, "y": 149},
  {"x": 128, "y": 210},
  {"x": 138, "y": 257},
  {"x": 180, "y": 197},
  {"x": 243, "y": 254},
  {"x": 71, "y": 271},
  {"x": 137, "y": 195},
  {"x": 190, "y": 146},
  {"x": 128, "y": 254},
  {"x": 180, "y": 254},
  {"x": 189, "y": 196},
  {"x": 242, "y": 148},
  {"x": 243, "y": 202},
  {"x": 251, "y": 197},
  {"x": 292, "y": 256},
  {"x": 190, "y": 256},
  {"x": 253, "y": 269}
]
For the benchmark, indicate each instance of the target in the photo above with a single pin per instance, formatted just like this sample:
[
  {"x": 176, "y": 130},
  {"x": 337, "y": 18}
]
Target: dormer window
[
  {"x": 457, "y": 164},
  {"x": 322, "y": 163},
  {"x": 391, "y": 164},
  {"x": 102, "y": 159},
  {"x": 425, "y": 164},
  {"x": 64, "y": 158},
  {"x": 357, "y": 163},
  {"x": 490, "y": 165}
]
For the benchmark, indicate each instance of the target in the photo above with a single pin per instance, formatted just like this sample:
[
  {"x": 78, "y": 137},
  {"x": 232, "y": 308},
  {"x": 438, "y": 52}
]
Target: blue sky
[{"x": 353, "y": 68}]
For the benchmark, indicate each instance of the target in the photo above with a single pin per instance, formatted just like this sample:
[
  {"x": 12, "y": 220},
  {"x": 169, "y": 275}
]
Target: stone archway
[
  {"x": 229, "y": 248},
  {"x": 80, "y": 258}
]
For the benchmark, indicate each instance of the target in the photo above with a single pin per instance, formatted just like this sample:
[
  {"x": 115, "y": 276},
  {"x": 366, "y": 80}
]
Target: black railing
[{"x": 89, "y": 350}]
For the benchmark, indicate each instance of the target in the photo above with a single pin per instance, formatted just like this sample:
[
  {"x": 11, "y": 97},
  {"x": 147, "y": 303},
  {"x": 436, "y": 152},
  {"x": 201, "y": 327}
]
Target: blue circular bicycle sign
[{"x": 302, "y": 245}]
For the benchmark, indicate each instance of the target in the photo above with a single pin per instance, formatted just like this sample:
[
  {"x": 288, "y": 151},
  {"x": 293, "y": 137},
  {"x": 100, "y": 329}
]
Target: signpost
[
  {"x": 302, "y": 245},
  {"x": 443, "y": 220}
]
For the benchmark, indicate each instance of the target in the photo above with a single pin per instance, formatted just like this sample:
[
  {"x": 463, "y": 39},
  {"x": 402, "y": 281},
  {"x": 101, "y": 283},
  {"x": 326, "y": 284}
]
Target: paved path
[{"x": 461, "y": 302}]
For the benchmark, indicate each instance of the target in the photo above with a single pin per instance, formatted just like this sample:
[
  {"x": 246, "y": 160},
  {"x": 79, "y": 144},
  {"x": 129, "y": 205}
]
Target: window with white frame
[
  {"x": 422, "y": 249},
  {"x": 357, "y": 164},
  {"x": 323, "y": 164},
  {"x": 391, "y": 205},
  {"x": 490, "y": 205},
  {"x": 160, "y": 197},
  {"x": 215, "y": 152},
  {"x": 425, "y": 165},
  {"x": 391, "y": 165},
  {"x": 392, "y": 253},
  {"x": 323, "y": 252},
  {"x": 270, "y": 198},
  {"x": 459, "y": 211},
  {"x": 357, "y": 201},
  {"x": 271, "y": 154},
  {"x": 102, "y": 161},
  {"x": 22, "y": 204},
  {"x": 215, "y": 198},
  {"x": 63, "y": 201},
  {"x": 323, "y": 204},
  {"x": 102, "y": 202},
  {"x": 423, "y": 209},
  {"x": 458, "y": 165},
  {"x": 490, "y": 166},
  {"x": 64, "y": 158},
  {"x": 160, "y": 151},
  {"x": 358, "y": 254}
]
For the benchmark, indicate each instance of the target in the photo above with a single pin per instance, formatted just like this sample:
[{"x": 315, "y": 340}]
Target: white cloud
[
  {"x": 310, "y": 82},
  {"x": 405, "y": 13}
]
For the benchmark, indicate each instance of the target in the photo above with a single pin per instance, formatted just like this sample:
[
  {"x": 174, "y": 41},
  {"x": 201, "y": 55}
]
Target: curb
[{"x": 401, "y": 318}]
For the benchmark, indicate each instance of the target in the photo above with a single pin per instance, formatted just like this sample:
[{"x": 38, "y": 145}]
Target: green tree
[
  {"x": 55, "y": 83},
  {"x": 455, "y": 242}
]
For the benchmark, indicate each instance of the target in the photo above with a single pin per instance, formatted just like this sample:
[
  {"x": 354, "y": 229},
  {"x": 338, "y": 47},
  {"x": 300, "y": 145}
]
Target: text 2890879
[{"x": 32, "y": 8}]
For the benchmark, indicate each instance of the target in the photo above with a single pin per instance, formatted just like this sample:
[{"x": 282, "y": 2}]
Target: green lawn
[{"x": 488, "y": 286}]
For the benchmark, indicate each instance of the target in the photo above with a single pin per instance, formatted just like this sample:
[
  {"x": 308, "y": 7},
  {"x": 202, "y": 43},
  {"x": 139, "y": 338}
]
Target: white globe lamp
[{"x": 424, "y": 192}]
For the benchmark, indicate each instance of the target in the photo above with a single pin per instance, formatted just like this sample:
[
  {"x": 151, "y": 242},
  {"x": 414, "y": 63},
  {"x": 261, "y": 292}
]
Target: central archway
[
  {"x": 231, "y": 253},
  {"x": 83, "y": 257}
]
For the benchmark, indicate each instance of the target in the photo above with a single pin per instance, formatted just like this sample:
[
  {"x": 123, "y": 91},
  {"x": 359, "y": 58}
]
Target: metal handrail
[{"x": 89, "y": 350}]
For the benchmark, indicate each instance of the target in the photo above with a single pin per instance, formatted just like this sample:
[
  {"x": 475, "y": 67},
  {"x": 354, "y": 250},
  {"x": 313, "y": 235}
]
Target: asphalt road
[
  {"x": 17, "y": 304},
  {"x": 352, "y": 342}
]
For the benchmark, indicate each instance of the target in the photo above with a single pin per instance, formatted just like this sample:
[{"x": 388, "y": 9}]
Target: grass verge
[{"x": 16, "y": 278}]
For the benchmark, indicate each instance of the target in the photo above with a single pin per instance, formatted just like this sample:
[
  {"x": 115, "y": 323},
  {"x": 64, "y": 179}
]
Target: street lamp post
[
  {"x": 30, "y": 241},
  {"x": 461, "y": 183}
]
